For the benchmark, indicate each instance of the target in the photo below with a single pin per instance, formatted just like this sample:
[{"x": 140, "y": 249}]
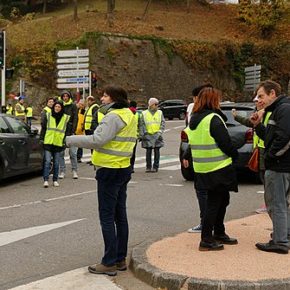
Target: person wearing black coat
[
  {"x": 276, "y": 136},
  {"x": 217, "y": 182}
]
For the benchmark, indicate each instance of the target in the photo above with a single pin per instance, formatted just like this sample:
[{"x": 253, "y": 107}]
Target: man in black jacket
[
  {"x": 276, "y": 136},
  {"x": 70, "y": 109}
]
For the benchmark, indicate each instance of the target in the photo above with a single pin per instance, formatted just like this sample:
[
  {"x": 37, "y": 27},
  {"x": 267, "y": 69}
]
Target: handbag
[{"x": 253, "y": 162}]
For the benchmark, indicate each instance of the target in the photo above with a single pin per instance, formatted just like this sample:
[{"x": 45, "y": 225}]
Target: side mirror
[{"x": 33, "y": 131}]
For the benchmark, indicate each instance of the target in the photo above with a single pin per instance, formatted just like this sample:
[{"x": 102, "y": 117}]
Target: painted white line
[
  {"x": 165, "y": 161},
  {"x": 78, "y": 279},
  {"x": 17, "y": 235},
  {"x": 171, "y": 184},
  {"x": 261, "y": 191},
  {"x": 46, "y": 200},
  {"x": 173, "y": 167},
  {"x": 179, "y": 127}
]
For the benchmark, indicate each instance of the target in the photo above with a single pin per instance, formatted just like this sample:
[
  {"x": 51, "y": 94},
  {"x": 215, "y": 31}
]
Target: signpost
[
  {"x": 73, "y": 72},
  {"x": 252, "y": 77}
]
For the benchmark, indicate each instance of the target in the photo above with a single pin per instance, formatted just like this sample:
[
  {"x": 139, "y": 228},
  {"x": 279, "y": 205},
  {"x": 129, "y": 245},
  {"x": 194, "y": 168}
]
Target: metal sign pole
[
  {"x": 3, "y": 80},
  {"x": 90, "y": 83}
]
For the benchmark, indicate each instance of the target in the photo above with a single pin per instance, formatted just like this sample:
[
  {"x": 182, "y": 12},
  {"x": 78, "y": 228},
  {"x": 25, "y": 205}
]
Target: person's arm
[
  {"x": 107, "y": 130},
  {"x": 244, "y": 121},
  {"x": 162, "y": 126},
  {"x": 95, "y": 121},
  {"x": 43, "y": 127},
  {"x": 142, "y": 125},
  {"x": 74, "y": 117},
  {"x": 221, "y": 135}
]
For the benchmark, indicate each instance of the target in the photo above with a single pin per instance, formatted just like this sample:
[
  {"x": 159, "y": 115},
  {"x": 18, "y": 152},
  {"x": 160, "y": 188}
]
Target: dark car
[
  {"x": 242, "y": 138},
  {"x": 20, "y": 151},
  {"x": 173, "y": 109}
]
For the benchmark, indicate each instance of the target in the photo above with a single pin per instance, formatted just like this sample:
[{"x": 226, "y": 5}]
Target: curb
[{"x": 155, "y": 277}]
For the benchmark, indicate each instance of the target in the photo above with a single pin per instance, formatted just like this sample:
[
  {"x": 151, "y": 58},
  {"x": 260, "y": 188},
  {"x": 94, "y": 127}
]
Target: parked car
[
  {"x": 242, "y": 137},
  {"x": 173, "y": 109},
  {"x": 20, "y": 151}
]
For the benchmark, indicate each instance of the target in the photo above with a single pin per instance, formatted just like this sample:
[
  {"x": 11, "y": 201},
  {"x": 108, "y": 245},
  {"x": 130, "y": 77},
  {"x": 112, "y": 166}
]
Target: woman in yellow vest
[
  {"x": 152, "y": 126},
  {"x": 113, "y": 142},
  {"x": 212, "y": 153},
  {"x": 52, "y": 135},
  {"x": 80, "y": 126}
]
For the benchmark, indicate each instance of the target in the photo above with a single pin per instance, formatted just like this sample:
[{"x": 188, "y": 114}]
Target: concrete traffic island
[{"x": 176, "y": 263}]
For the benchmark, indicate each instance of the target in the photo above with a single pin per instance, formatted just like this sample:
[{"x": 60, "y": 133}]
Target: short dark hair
[
  {"x": 269, "y": 85},
  {"x": 117, "y": 94},
  {"x": 133, "y": 104},
  {"x": 196, "y": 90}
]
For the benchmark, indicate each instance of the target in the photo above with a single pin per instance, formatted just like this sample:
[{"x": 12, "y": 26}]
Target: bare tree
[
  {"x": 146, "y": 9},
  {"x": 75, "y": 16},
  {"x": 44, "y": 7},
  {"x": 110, "y": 12}
]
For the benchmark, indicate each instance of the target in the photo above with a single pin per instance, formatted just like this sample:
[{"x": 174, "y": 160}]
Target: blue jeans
[
  {"x": 73, "y": 159},
  {"x": 112, "y": 196},
  {"x": 48, "y": 157},
  {"x": 149, "y": 157},
  {"x": 277, "y": 189}
]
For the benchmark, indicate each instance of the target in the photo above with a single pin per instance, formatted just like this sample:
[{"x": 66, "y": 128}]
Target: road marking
[
  {"x": 173, "y": 167},
  {"x": 172, "y": 184},
  {"x": 17, "y": 235},
  {"x": 179, "y": 127},
  {"x": 162, "y": 161},
  {"x": 78, "y": 279},
  {"x": 46, "y": 200}
]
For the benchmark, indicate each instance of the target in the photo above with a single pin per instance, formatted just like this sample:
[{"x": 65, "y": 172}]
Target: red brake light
[
  {"x": 249, "y": 136},
  {"x": 183, "y": 137}
]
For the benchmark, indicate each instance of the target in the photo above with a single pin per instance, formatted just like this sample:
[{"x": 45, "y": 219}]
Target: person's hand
[
  {"x": 185, "y": 163},
  {"x": 234, "y": 113},
  {"x": 257, "y": 117}
]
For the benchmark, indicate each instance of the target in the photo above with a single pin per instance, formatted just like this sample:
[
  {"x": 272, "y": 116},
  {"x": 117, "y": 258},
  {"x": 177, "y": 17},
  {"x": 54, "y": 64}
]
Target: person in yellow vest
[
  {"x": 80, "y": 126},
  {"x": 28, "y": 113},
  {"x": 152, "y": 126},
  {"x": 212, "y": 153},
  {"x": 113, "y": 142},
  {"x": 19, "y": 109},
  {"x": 52, "y": 135},
  {"x": 9, "y": 109},
  {"x": 92, "y": 117},
  {"x": 47, "y": 109}
]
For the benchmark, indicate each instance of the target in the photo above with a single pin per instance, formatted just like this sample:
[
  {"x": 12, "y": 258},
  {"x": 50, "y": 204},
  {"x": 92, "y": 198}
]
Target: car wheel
[
  {"x": 187, "y": 173},
  {"x": 1, "y": 171},
  {"x": 182, "y": 116}
]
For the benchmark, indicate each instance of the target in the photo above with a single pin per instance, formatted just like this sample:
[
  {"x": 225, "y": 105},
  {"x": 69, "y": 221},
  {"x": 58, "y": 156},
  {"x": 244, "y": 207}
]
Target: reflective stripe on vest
[
  {"x": 22, "y": 109},
  {"x": 89, "y": 116},
  {"x": 260, "y": 142},
  {"x": 152, "y": 122},
  {"x": 55, "y": 134},
  {"x": 206, "y": 155},
  {"x": 29, "y": 112},
  {"x": 117, "y": 152}
]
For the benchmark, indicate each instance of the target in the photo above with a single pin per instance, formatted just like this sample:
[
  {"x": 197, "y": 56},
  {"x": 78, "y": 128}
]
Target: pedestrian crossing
[{"x": 167, "y": 162}]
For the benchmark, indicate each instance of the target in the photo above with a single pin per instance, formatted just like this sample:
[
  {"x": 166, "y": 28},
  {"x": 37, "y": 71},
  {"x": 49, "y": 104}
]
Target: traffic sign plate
[
  {"x": 73, "y": 80},
  {"x": 75, "y": 52},
  {"x": 74, "y": 85},
  {"x": 72, "y": 65},
  {"x": 72, "y": 60},
  {"x": 70, "y": 72}
]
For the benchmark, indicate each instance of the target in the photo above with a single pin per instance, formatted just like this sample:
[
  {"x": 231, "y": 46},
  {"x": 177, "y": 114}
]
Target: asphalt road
[{"x": 61, "y": 224}]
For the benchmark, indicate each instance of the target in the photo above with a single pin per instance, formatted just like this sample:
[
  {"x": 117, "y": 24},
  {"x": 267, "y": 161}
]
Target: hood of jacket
[
  {"x": 197, "y": 117},
  {"x": 65, "y": 92}
]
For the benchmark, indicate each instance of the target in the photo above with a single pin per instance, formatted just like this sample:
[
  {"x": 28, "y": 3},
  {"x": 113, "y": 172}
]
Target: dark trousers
[
  {"x": 79, "y": 153},
  {"x": 217, "y": 202},
  {"x": 149, "y": 157},
  {"x": 112, "y": 196},
  {"x": 202, "y": 202},
  {"x": 133, "y": 157}
]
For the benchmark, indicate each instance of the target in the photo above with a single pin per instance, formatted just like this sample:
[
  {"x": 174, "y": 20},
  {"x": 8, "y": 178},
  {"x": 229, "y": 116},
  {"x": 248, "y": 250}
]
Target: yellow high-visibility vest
[
  {"x": 117, "y": 153},
  {"x": 89, "y": 116},
  {"x": 29, "y": 113},
  {"x": 206, "y": 155},
  {"x": 22, "y": 109},
  {"x": 55, "y": 133},
  {"x": 152, "y": 122}
]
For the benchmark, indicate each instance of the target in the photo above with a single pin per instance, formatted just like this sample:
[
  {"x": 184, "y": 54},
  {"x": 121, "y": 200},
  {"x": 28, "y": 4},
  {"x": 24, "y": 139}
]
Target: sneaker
[
  {"x": 121, "y": 266},
  {"x": 196, "y": 229},
  {"x": 148, "y": 170},
  {"x": 272, "y": 247},
  {"x": 102, "y": 269},
  {"x": 45, "y": 184},
  {"x": 75, "y": 174},
  {"x": 154, "y": 170},
  {"x": 262, "y": 209},
  {"x": 79, "y": 160},
  {"x": 56, "y": 184},
  {"x": 61, "y": 175}
]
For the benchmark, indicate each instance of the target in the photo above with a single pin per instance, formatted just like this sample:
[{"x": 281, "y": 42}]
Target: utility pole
[{"x": 3, "y": 67}]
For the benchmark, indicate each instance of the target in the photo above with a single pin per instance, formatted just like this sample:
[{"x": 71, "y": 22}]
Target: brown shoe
[
  {"x": 102, "y": 269},
  {"x": 121, "y": 266}
]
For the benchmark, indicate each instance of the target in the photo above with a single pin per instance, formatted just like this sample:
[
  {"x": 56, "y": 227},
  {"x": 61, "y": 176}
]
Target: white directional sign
[
  {"x": 75, "y": 52},
  {"x": 72, "y": 60},
  {"x": 73, "y": 80},
  {"x": 72, "y": 65},
  {"x": 73, "y": 72},
  {"x": 72, "y": 85}
]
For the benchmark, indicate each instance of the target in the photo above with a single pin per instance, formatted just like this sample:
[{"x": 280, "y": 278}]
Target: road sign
[
  {"x": 73, "y": 80},
  {"x": 72, "y": 65},
  {"x": 252, "y": 77},
  {"x": 75, "y": 52},
  {"x": 73, "y": 72},
  {"x": 73, "y": 85},
  {"x": 72, "y": 60}
]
